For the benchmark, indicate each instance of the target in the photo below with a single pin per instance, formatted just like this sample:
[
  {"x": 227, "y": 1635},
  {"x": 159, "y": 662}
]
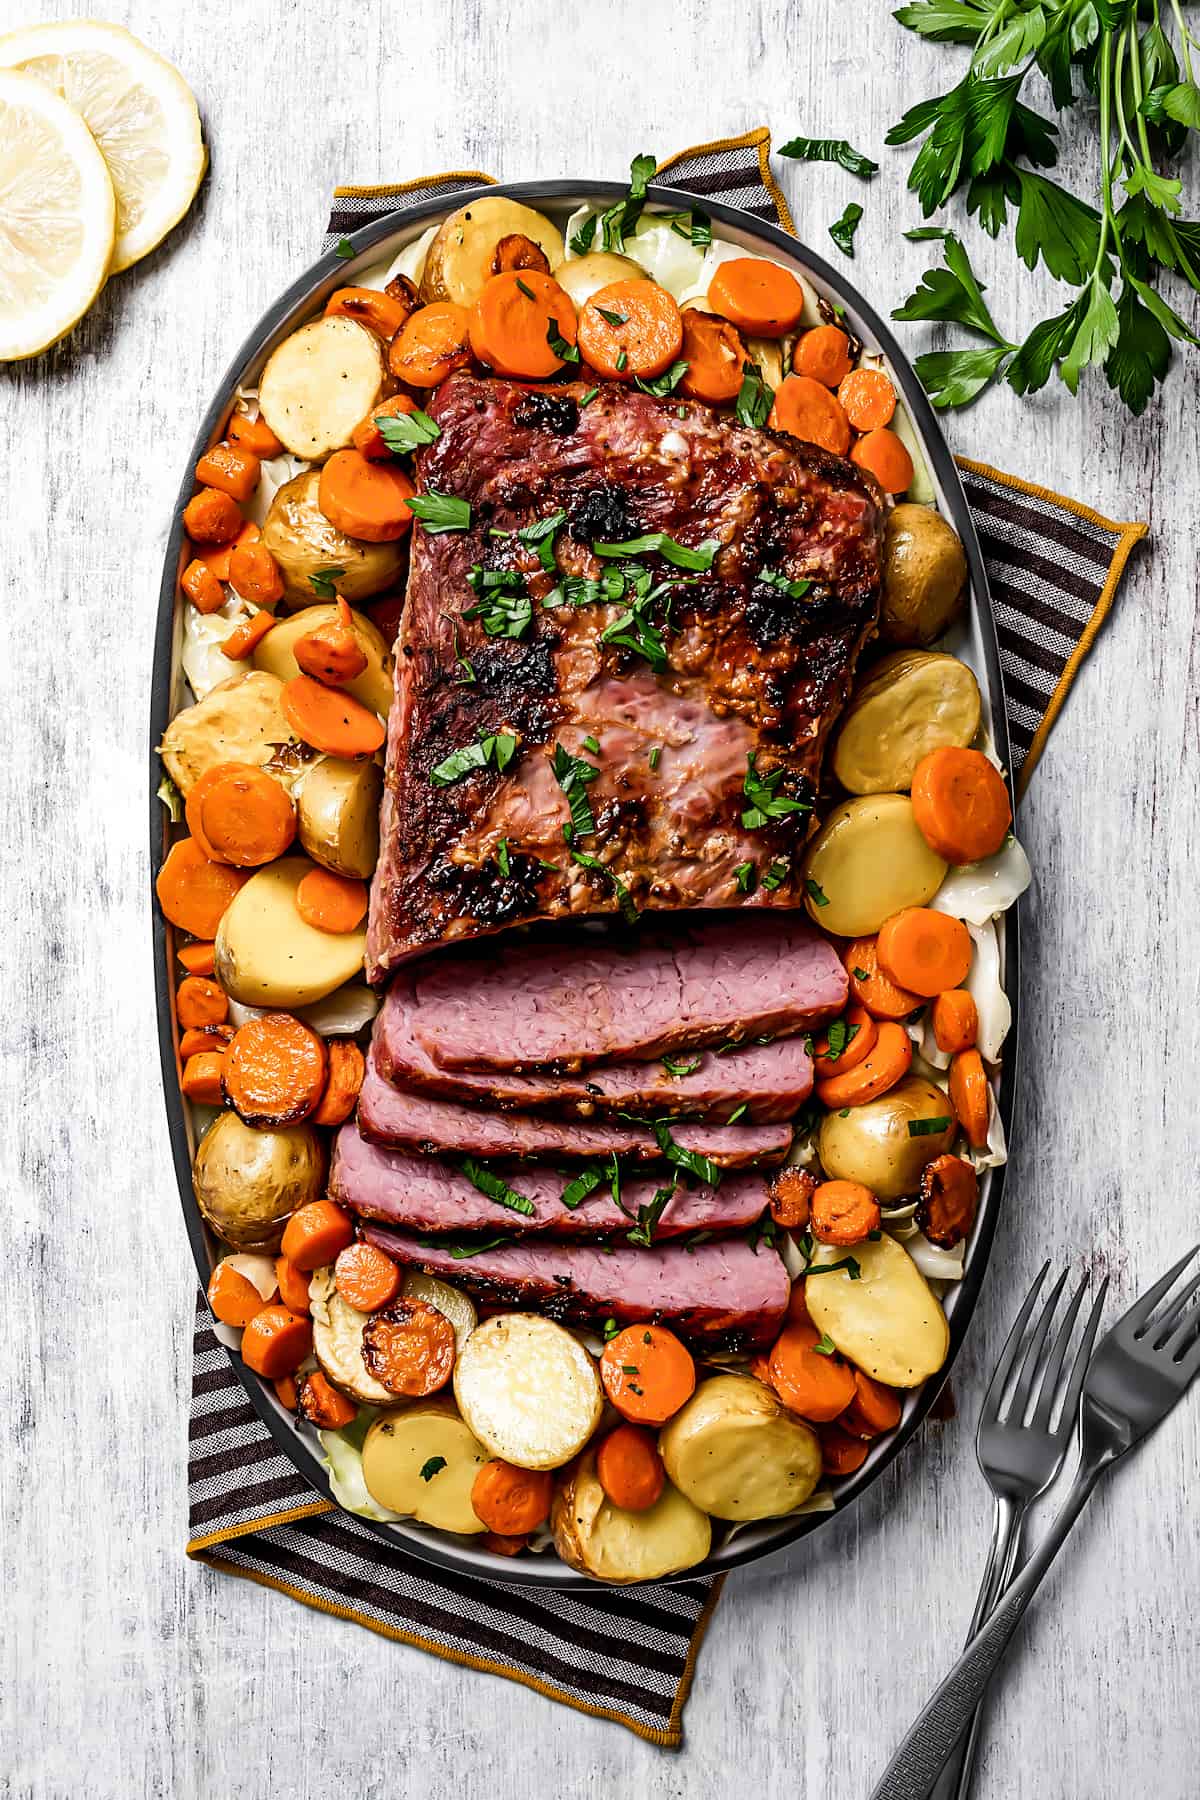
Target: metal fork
[
  {"x": 1142, "y": 1367},
  {"x": 1019, "y": 1460}
]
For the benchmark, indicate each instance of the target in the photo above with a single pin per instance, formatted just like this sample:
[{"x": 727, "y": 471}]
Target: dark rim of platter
[{"x": 298, "y": 301}]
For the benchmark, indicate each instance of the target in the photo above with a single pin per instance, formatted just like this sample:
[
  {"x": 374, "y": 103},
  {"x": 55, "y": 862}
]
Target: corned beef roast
[{"x": 512, "y": 662}]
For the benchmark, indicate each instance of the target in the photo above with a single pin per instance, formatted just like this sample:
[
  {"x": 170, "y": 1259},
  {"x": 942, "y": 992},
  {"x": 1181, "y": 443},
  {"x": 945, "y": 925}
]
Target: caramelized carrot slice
[
  {"x": 817, "y": 1387},
  {"x": 881, "y": 997},
  {"x": 823, "y": 353},
  {"x": 511, "y": 1501},
  {"x": 276, "y": 1342},
  {"x": 275, "y": 1070},
  {"x": 884, "y": 1065},
  {"x": 379, "y": 312},
  {"x": 806, "y": 409},
  {"x": 630, "y": 329},
  {"x": 844, "y": 1212},
  {"x": 409, "y": 1348},
  {"x": 714, "y": 353},
  {"x": 521, "y": 323},
  {"x": 194, "y": 891}
]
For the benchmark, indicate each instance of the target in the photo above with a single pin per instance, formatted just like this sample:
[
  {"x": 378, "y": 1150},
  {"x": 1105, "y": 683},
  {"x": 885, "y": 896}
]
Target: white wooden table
[{"x": 128, "y": 1672}]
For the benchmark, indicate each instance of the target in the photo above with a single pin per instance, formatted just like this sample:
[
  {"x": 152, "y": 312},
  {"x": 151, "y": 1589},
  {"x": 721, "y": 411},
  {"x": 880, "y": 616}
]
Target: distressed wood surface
[{"x": 128, "y": 1672}]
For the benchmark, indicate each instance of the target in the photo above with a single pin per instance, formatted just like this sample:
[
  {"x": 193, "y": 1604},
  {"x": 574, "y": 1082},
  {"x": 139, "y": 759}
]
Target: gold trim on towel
[{"x": 759, "y": 139}]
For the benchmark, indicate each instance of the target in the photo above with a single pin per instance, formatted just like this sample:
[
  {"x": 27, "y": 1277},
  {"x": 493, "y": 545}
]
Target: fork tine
[
  {"x": 1165, "y": 1325},
  {"x": 1186, "y": 1321},
  {"x": 1054, "y": 1362},
  {"x": 1083, "y": 1356},
  {"x": 1138, "y": 1316},
  {"x": 1032, "y": 1362},
  {"x": 999, "y": 1381}
]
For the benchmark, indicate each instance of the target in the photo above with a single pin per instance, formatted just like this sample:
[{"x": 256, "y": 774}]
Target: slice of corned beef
[{"x": 426, "y": 1194}]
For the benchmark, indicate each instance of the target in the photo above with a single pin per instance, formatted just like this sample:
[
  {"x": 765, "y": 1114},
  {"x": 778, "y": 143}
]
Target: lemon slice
[
  {"x": 138, "y": 108},
  {"x": 58, "y": 217}
]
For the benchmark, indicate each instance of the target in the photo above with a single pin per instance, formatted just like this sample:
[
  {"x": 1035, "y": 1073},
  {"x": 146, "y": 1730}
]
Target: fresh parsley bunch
[{"x": 981, "y": 139}]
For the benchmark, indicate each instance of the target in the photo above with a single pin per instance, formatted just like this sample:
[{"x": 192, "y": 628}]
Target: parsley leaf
[
  {"x": 775, "y": 876},
  {"x": 497, "y": 748},
  {"x": 679, "y": 1067},
  {"x": 825, "y": 1347},
  {"x": 404, "y": 432},
  {"x": 503, "y": 858},
  {"x": 746, "y": 876},
  {"x": 766, "y": 801},
  {"x": 702, "y": 1167},
  {"x": 573, "y": 774},
  {"x": 343, "y": 249},
  {"x": 680, "y": 555},
  {"x": 612, "y": 318},
  {"x": 565, "y": 352},
  {"x": 581, "y": 1185},
  {"x": 795, "y": 590},
  {"x": 665, "y": 383},
  {"x": 490, "y": 1184},
  {"x": 835, "y": 150},
  {"x": 951, "y": 295},
  {"x": 815, "y": 893},
  {"x": 842, "y": 230},
  {"x": 628, "y": 910},
  {"x": 431, "y": 1467},
  {"x": 321, "y": 581},
  {"x": 503, "y": 609},
  {"x": 755, "y": 399},
  {"x": 581, "y": 240},
  {"x": 634, "y": 630},
  {"x": 648, "y": 1217},
  {"x": 927, "y": 1127},
  {"x": 441, "y": 512}
]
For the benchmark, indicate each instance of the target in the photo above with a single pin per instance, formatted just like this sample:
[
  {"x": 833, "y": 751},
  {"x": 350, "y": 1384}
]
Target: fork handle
[
  {"x": 914, "y": 1769},
  {"x": 954, "y": 1783}
]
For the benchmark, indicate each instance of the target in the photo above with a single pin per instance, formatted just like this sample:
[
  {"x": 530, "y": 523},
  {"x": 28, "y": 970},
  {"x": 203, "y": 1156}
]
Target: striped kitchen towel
[{"x": 622, "y": 1654}]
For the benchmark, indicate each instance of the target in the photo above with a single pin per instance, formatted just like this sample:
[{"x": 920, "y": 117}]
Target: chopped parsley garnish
[
  {"x": 404, "y": 432},
  {"x": 739, "y": 1112},
  {"x": 849, "y": 1263},
  {"x": 592, "y": 744},
  {"x": 842, "y": 230},
  {"x": 702, "y": 1167},
  {"x": 677, "y": 1067},
  {"x": 581, "y": 590},
  {"x": 755, "y": 399},
  {"x": 503, "y": 859},
  {"x": 619, "y": 220},
  {"x": 503, "y": 609},
  {"x": 622, "y": 360},
  {"x": 630, "y": 1369},
  {"x": 581, "y": 240},
  {"x": 795, "y": 590},
  {"x": 860, "y": 974},
  {"x": 321, "y": 581},
  {"x": 629, "y": 911},
  {"x": 927, "y": 1127},
  {"x": 344, "y": 249},
  {"x": 573, "y": 774},
  {"x": 586, "y": 399},
  {"x": 666, "y": 383},
  {"x": 835, "y": 150},
  {"x": 490, "y": 1184},
  {"x": 696, "y": 226},
  {"x": 766, "y": 801},
  {"x": 746, "y": 877},
  {"x": 441, "y": 512},
  {"x": 432, "y": 1467},
  {"x": 581, "y": 1185},
  {"x": 775, "y": 876},
  {"x": 527, "y": 291},
  {"x": 497, "y": 748},
  {"x": 613, "y": 318},
  {"x": 675, "y": 553},
  {"x": 460, "y": 1252},
  {"x": 611, "y": 1329},
  {"x": 826, "y": 1346},
  {"x": 634, "y": 630},
  {"x": 648, "y": 1217},
  {"x": 841, "y": 1035},
  {"x": 655, "y": 755},
  {"x": 540, "y": 537},
  {"x": 559, "y": 346},
  {"x": 815, "y": 893}
]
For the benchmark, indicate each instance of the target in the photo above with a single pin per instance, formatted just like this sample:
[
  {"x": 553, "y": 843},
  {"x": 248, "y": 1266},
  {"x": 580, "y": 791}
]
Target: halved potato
[
  {"x": 736, "y": 1451},
  {"x": 422, "y": 1460},
  {"x": 240, "y": 720},
  {"x": 872, "y": 1143},
  {"x": 337, "y": 1342},
  {"x": 528, "y": 1390},
  {"x": 912, "y": 702},
  {"x": 924, "y": 575},
  {"x": 888, "y": 1320},
  {"x": 457, "y": 1307},
  {"x": 304, "y": 544},
  {"x": 277, "y": 653},
  {"x": 338, "y": 815},
  {"x": 583, "y": 276},
  {"x": 248, "y": 1183},
  {"x": 868, "y": 861},
  {"x": 319, "y": 383},
  {"x": 460, "y": 257},
  {"x": 267, "y": 955},
  {"x": 592, "y": 1534}
]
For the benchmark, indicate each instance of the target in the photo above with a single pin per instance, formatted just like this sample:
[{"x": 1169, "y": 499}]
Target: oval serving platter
[{"x": 381, "y": 240}]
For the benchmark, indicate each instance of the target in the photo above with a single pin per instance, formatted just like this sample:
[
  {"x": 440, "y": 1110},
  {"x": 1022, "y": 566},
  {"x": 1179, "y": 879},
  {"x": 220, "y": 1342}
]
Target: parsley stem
[
  {"x": 1106, "y": 165},
  {"x": 1185, "y": 38}
]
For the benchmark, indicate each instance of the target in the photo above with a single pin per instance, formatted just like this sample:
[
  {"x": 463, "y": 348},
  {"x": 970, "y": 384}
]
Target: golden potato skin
[
  {"x": 248, "y": 1183},
  {"x": 888, "y": 1320},
  {"x": 737, "y": 1453},
  {"x": 277, "y": 653},
  {"x": 338, "y": 816},
  {"x": 924, "y": 578},
  {"x": 459, "y": 259},
  {"x": 598, "y": 1538},
  {"x": 868, "y": 861},
  {"x": 910, "y": 703},
  {"x": 240, "y": 720},
  {"x": 303, "y": 542},
  {"x": 872, "y": 1144}
]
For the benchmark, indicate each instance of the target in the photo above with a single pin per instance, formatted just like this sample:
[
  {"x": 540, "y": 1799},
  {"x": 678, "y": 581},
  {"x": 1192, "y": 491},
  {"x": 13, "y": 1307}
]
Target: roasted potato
[
  {"x": 528, "y": 1390},
  {"x": 887, "y": 1320},
  {"x": 872, "y": 1143},
  {"x": 911, "y": 702},
  {"x": 337, "y": 1342},
  {"x": 338, "y": 813},
  {"x": 460, "y": 257},
  {"x": 924, "y": 577},
  {"x": 737, "y": 1453},
  {"x": 319, "y": 383},
  {"x": 592, "y": 1534},
  {"x": 240, "y": 720},
  {"x": 304, "y": 543},
  {"x": 248, "y": 1183},
  {"x": 422, "y": 1460},
  {"x": 267, "y": 955},
  {"x": 583, "y": 276},
  {"x": 868, "y": 861},
  {"x": 277, "y": 654}
]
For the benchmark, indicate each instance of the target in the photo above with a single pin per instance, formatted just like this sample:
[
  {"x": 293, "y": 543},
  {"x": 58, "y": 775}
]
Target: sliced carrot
[
  {"x": 949, "y": 1198},
  {"x": 200, "y": 1001},
  {"x": 333, "y": 652},
  {"x": 346, "y": 1071},
  {"x": 219, "y": 557},
  {"x": 255, "y": 574},
  {"x": 232, "y": 1298},
  {"x": 823, "y": 353},
  {"x": 797, "y": 1312},
  {"x": 202, "y": 587},
  {"x": 367, "y": 437},
  {"x": 232, "y": 469},
  {"x": 275, "y": 1070},
  {"x": 194, "y": 891},
  {"x": 806, "y": 409},
  {"x": 884, "y": 456},
  {"x": 923, "y": 950},
  {"x": 202, "y": 1076},
  {"x": 366, "y": 500},
  {"x": 198, "y": 958},
  {"x": 366, "y": 1277},
  {"x": 714, "y": 353},
  {"x": 276, "y": 1342},
  {"x": 433, "y": 342},
  {"x": 320, "y": 1403},
  {"x": 511, "y": 1501},
  {"x": 198, "y": 1039},
  {"x": 516, "y": 251},
  {"x": 379, "y": 312},
  {"x": 330, "y": 902},
  {"x": 409, "y": 1348},
  {"x": 254, "y": 435},
  {"x": 815, "y": 1386},
  {"x": 876, "y": 1403},
  {"x": 758, "y": 296},
  {"x": 521, "y": 323},
  {"x": 884, "y": 1065},
  {"x": 840, "y": 1453},
  {"x": 241, "y": 815},
  {"x": 293, "y": 1286},
  {"x": 502, "y": 1545},
  {"x": 789, "y": 1196},
  {"x": 315, "y": 1234},
  {"x": 955, "y": 1019},
  {"x": 630, "y": 1469},
  {"x": 285, "y": 1392},
  {"x": 647, "y": 1373},
  {"x": 881, "y": 997},
  {"x": 869, "y": 399},
  {"x": 969, "y": 1096},
  {"x": 857, "y": 1039},
  {"x": 760, "y": 1369},
  {"x": 400, "y": 287},
  {"x": 960, "y": 804},
  {"x": 211, "y": 517},
  {"x": 631, "y": 328},
  {"x": 330, "y": 721},
  {"x": 844, "y": 1212},
  {"x": 245, "y": 638}
]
